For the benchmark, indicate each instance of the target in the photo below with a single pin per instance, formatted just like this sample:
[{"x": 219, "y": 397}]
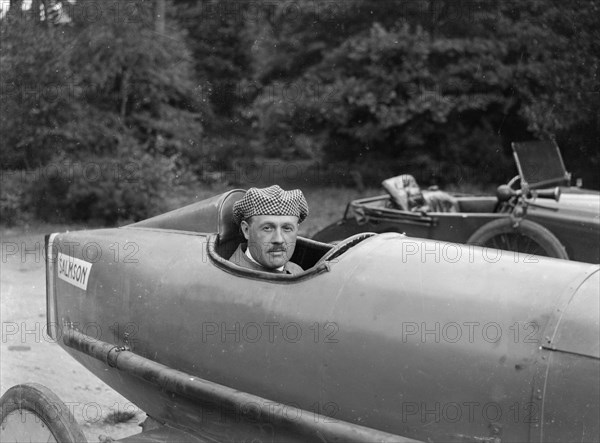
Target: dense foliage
[
  {"x": 438, "y": 88},
  {"x": 97, "y": 93},
  {"x": 437, "y": 84}
]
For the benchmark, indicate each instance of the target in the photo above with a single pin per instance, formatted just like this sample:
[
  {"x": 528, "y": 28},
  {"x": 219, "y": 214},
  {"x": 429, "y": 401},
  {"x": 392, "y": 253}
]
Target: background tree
[
  {"x": 438, "y": 84},
  {"x": 99, "y": 93},
  {"x": 437, "y": 88}
]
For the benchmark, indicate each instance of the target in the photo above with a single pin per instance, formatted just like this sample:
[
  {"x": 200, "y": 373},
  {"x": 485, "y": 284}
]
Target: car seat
[
  {"x": 406, "y": 194},
  {"x": 228, "y": 231}
]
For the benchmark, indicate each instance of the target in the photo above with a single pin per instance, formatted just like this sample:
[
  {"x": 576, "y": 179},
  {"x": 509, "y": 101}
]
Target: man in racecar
[{"x": 269, "y": 219}]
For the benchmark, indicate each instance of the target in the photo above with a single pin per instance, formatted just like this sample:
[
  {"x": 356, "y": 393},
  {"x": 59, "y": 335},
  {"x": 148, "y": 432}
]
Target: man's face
[{"x": 271, "y": 238}]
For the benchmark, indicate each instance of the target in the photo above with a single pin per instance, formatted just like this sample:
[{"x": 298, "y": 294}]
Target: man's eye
[{"x": 267, "y": 228}]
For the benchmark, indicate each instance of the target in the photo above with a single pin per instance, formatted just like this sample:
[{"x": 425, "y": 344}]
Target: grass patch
[{"x": 327, "y": 205}]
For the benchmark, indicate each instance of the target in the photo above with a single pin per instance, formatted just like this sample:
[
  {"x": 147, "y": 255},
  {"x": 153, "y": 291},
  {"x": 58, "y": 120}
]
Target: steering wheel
[
  {"x": 344, "y": 245},
  {"x": 515, "y": 183},
  {"x": 506, "y": 194}
]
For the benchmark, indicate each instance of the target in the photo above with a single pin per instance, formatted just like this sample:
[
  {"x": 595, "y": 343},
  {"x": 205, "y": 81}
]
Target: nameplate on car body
[{"x": 73, "y": 270}]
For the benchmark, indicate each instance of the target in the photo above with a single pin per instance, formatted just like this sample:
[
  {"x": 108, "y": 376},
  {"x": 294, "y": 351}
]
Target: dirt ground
[{"x": 28, "y": 354}]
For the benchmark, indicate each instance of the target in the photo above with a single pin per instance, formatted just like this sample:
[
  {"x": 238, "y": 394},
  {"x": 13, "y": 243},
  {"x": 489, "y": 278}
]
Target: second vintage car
[{"x": 535, "y": 213}]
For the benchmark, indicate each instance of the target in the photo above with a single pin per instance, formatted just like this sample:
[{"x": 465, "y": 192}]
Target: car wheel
[
  {"x": 528, "y": 237},
  {"x": 32, "y": 412}
]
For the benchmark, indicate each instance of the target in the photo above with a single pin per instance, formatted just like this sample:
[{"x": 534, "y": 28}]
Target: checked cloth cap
[{"x": 270, "y": 201}]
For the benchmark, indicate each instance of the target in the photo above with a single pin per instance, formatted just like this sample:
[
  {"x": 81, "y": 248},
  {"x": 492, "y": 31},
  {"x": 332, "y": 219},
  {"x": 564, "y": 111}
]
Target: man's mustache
[{"x": 278, "y": 249}]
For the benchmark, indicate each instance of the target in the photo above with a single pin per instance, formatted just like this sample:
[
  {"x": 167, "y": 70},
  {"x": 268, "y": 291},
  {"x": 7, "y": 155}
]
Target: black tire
[
  {"x": 529, "y": 238},
  {"x": 47, "y": 409}
]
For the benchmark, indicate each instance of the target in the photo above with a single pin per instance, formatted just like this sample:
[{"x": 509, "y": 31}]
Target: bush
[
  {"x": 11, "y": 198},
  {"x": 103, "y": 190},
  {"x": 443, "y": 90}
]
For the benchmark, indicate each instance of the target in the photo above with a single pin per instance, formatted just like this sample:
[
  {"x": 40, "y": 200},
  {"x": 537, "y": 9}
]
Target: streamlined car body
[
  {"x": 381, "y": 338},
  {"x": 539, "y": 213}
]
